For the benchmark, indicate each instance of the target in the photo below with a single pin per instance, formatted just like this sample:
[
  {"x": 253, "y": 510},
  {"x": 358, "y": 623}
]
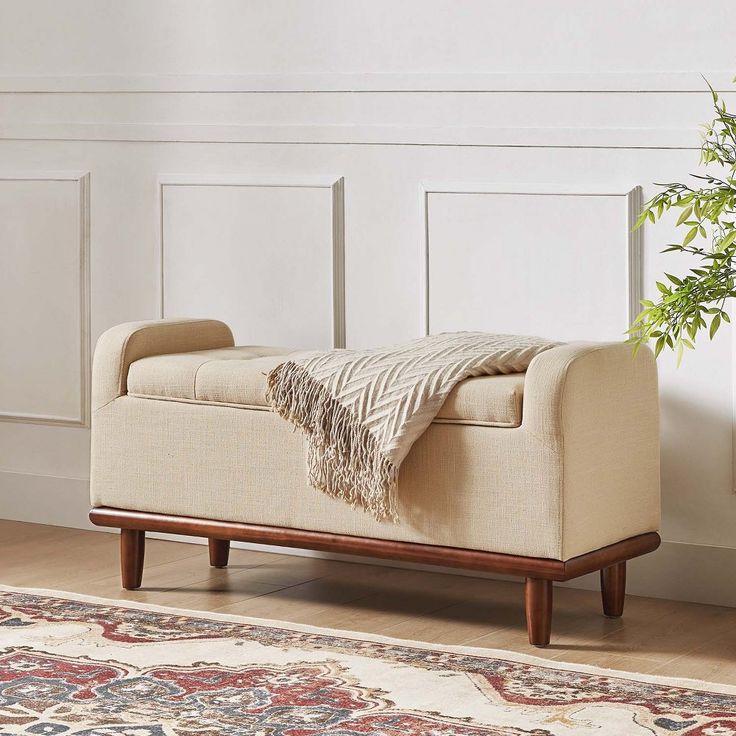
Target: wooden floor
[{"x": 655, "y": 636}]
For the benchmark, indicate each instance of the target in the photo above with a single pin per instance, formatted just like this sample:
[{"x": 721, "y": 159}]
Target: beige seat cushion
[{"x": 237, "y": 377}]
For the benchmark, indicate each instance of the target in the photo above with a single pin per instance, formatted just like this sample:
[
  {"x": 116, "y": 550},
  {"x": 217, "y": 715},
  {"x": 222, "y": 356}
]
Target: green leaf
[
  {"x": 691, "y": 235},
  {"x": 659, "y": 345},
  {"x": 679, "y": 353},
  {"x": 714, "y": 325},
  {"x": 640, "y": 220},
  {"x": 730, "y": 238},
  {"x": 685, "y": 214}
]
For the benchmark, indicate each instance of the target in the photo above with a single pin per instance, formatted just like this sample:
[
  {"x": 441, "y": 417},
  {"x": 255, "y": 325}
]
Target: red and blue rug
[{"x": 81, "y": 666}]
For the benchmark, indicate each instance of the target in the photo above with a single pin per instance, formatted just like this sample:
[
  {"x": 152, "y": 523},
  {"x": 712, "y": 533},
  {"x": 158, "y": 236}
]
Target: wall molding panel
[
  {"x": 359, "y": 135},
  {"x": 631, "y": 239},
  {"x": 336, "y": 187},
  {"x": 82, "y": 417},
  {"x": 634, "y": 82}
]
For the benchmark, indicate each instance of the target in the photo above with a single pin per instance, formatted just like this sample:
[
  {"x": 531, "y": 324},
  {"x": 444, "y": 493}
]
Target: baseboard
[
  {"x": 698, "y": 573},
  {"x": 44, "y": 499},
  {"x": 677, "y": 571}
]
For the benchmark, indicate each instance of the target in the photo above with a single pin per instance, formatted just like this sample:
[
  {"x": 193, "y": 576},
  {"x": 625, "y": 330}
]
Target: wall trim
[
  {"x": 552, "y": 82},
  {"x": 82, "y": 178},
  {"x": 634, "y": 262},
  {"x": 336, "y": 185},
  {"x": 365, "y": 135}
]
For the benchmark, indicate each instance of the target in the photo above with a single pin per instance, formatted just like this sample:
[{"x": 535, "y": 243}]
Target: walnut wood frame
[{"x": 539, "y": 572}]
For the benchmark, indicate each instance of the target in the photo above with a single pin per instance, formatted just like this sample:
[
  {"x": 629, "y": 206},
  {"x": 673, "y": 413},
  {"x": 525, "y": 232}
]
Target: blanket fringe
[{"x": 344, "y": 460}]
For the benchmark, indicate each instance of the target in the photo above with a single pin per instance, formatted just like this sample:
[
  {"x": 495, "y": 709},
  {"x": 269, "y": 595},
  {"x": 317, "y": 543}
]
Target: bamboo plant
[{"x": 696, "y": 301}]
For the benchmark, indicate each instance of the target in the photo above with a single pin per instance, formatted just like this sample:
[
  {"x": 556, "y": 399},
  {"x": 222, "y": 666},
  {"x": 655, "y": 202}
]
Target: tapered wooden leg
[
  {"x": 538, "y": 600},
  {"x": 219, "y": 552},
  {"x": 132, "y": 551},
  {"x": 613, "y": 589}
]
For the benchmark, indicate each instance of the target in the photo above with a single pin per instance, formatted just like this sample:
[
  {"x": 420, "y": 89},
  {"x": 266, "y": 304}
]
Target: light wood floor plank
[
  {"x": 657, "y": 636},
  {"x": 714, "y": 661}
]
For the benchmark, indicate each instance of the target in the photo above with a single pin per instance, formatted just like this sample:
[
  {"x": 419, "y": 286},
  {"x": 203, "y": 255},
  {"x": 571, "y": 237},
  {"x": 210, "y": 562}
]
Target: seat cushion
[{"x": 237, "y": 377}]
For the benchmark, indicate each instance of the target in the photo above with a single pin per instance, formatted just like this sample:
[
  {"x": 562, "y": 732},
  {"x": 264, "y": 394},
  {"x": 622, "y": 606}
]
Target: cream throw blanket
[{"x": 363, "y": 409}]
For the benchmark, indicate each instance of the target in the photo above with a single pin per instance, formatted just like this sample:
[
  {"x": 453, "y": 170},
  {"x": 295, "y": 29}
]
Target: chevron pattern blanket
[{"x": 363, "y": 409}]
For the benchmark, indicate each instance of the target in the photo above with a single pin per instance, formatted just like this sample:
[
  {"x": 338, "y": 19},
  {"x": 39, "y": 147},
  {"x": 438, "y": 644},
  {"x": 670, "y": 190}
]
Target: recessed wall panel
[
  {"x": 552, "y": 264},
  {"x": 264, "y": 258},
  {"x": 43, "y": 333}
]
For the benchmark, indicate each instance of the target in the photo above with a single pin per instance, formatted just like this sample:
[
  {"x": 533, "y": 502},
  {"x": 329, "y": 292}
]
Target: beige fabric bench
[{"x": 549, "y": 474}]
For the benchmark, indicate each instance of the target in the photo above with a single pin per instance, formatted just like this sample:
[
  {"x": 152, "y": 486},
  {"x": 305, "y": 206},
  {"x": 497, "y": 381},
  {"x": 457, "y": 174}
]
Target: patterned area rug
[{"x": 77, "y": 665}]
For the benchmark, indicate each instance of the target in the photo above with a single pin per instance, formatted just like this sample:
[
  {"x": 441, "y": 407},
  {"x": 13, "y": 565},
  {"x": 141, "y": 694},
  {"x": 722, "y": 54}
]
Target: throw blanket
[{"x": 363, "y": 409}]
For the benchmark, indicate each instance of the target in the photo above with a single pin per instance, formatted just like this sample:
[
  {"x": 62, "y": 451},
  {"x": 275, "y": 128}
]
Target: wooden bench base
[{"x": 539, "y": 572}]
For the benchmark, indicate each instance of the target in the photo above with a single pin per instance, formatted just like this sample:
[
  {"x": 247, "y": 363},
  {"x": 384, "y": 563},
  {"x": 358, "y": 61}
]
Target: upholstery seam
[
  {"x": 199, "y": 402},
  {"x": 196, "y": 373},
  {"x": 265, "y": 407},
  {"x": 107, "y": 403}
]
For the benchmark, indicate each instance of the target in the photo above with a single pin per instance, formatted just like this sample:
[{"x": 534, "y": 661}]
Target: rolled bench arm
[
  {"x": 122, "y": 345},
  {"x": 579, "y": 383},
  {"x": 595, "y": 406}
]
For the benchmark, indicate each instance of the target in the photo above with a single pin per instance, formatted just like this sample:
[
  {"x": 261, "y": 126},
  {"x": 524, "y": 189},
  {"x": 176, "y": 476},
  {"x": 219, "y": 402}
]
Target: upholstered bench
[{"x": 549, "y": 475}]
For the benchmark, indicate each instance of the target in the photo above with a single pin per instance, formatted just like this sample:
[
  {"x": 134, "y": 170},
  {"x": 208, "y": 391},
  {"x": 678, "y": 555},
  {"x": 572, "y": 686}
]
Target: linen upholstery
[
  {"x": 579, "y": 473},
  {"x": 362, "y": 410},
  {"x": 237, "y": 376},
  {"x": 120, "y": 346}
]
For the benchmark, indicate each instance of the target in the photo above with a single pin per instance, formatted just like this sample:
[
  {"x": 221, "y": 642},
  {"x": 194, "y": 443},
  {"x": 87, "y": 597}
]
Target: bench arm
[
  {"x": 596, "y": 406},
  {"x": 120, "y": 346},
  {"x": 612, "y": 380}
]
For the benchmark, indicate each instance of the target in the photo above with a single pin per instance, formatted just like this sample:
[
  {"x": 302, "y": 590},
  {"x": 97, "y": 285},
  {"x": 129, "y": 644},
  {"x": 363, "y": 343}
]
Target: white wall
[{"x": 179, "y": 154}]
